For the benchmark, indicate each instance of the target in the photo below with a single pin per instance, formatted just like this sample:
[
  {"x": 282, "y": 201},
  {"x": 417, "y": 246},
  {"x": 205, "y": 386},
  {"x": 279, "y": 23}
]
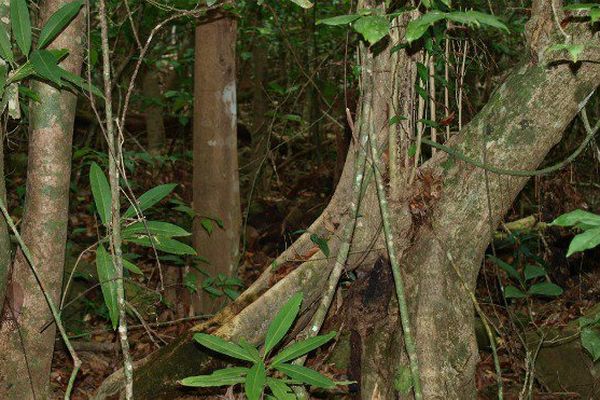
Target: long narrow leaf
[
  {"x": 280, "y": 389},
  {"x": 107, "y": 276},
  {"x": 165, "y": 244},
  {"x": 58, "y": 22},
  {"x": 155, "y": 228},
  {"x": 45, "y": 65},
  {"x": 306, "y": 375},
  {"x": 222, "y": 377},
  {"x": 300, "y": 348},
  {"x": 282, "y": 322},
  {"x": 101, "y": 193},
  {"x": 255, "y": 381},
  {"x": 5, "y": 47},
  {"x": 21, "y": 24},
  {"x": 150, "y": 198},
  {"x": 219, "y": 345}
]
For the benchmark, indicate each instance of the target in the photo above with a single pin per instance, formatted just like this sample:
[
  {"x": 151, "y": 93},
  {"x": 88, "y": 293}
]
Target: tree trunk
[
  {"x": 25, "y": 349},
  {"x": 443, "y": 214},
  {"x": 153, "y": 112},
  {"x": 216, "y": 182},
  {"x": 5, "y": 256}
]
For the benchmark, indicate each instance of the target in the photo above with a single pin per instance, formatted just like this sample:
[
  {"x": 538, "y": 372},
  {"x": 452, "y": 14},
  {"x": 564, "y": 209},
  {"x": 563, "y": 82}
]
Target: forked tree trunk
[
  {"x": 444, "y": 212},
  {"x": 216, "y": 182},
  {"x": 26, "y": 348}
]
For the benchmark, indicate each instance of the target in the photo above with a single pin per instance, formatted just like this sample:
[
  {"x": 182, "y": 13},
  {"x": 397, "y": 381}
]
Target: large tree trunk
[
  {"x": 153, "y": 111},
  {"x": 216, "y": 182},
  {"x": 444, "y": 212},
  {"x": 25, "y": 347}
]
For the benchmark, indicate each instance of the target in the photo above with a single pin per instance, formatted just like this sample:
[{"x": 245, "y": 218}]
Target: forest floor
[{"x": 292, "y": 200}]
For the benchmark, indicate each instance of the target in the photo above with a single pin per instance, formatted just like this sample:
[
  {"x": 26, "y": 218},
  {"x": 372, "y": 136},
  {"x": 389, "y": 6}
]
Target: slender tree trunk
[
  {"x": 153, "y": 112},
  {"x": 5, "y": 256},
  {"x": 445, "y": 213},
  {"x": 25, "y": 349},
  {"x": 216, "y": 183}
]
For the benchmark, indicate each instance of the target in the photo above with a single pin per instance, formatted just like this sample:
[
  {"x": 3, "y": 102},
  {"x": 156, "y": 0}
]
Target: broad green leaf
[
  {"x": 306, "y": 375},
  {"x": 282, "y": 322},
  {"x": 5, "y": 46},
  {"x": 207, "y": 225},
  {"x": 595, "y": 15},
  {"x": 588, "y": 320},
  {"x": 417, "y": 28},
  {"x": 101, "y": 193},
  {"x": 150, "y": 198},
  {"x": 298, "y": 349},
  {"x": 24, "y": 71},
  {"x": 511, "y": 292},
  {"x": 165, "y": 244},
  {"x": 534, "y": 271},
  {"x": 131, "y": 267},
  {"x": 250, "y": 350},
  {"x": 107, "y": 275},
  {"x": 222, "y": 377},
  {"x": 338, "y": 20},
  {"x": 157, "y": 228},
  {"x": 396, "y": 119},
  {"x": 21, "y": 24},
  {"x": 58, "y": 22},
  {"x": 590, "y": 340},
  {"x": 372, "y": 27},
  {"x": 477, "y": 18},
  {"x": 45, "y": 64},
  {"x": 584, "y": 241},
  {"x": 219, "y": 345},
  {"x": 80, "y": 83},
  {"x": 255, "y": 381},
  {"x": 303, "y": 3},
  {"x": 576, "y": 217},
  {"x": 321, "y": 243},
  {"x": 510, "y": 270},
  {"x": 545, "y": 289},
  {"x": 280, "y": 389},
  {"x": 574, "y": 50}
]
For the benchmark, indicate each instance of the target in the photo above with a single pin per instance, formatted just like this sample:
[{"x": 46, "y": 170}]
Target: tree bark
[
  {"x": 25, "y": 349},
  {"x": 153, "y": 112},
  {"x": 443, "y": 214},
  {"x": 216, "y": 181}
]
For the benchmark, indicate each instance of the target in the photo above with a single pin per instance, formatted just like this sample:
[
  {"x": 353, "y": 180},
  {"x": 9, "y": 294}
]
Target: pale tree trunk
[
  {"x": 5, "y": 257},
  {"x": 25, "y": 348},
  {"x": 444, "y": 212},
  {"x": 216, "y": 182},
  {"x": 153, "y": 112}
]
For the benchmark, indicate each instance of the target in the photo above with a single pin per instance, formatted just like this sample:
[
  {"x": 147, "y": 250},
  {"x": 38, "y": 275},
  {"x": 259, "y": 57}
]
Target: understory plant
[{"x": 268, "y": 376}]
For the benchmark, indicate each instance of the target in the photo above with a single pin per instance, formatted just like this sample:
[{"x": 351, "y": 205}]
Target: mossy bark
[{"x": 25, "y": 347}]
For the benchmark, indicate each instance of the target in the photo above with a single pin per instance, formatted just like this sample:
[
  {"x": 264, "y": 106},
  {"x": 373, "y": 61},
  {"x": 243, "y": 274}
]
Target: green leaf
[
  {"x": 80, "y": 83},
  {"x": 5, "y": 47},
  {"x": 303, "y": 3},
  {"x": 476, "y": 18},
  {"x": 219, "y": 345},
  {"x": 321, "y": 243},
  {"x": 545, "y": 289},
  {"x": 306, "y": 375},
  {"x": 282, "y": 322},
  {"x": 45, "y": 64},
  {"x": 534, "y": 271},
  {"x": 24, "y": 71},
  {"x": 255, "y": 381},
  {"x": 101, "y": 193},
  {"x": 403, "y": 381},
  {"x": 510, "y": 270},
  {"x": 131, "y": 267},
  {"x": 577, "y": 217},
  {"x": 157, "y": 228},
  {"x": 584, "y": 241},
  {"x": 587, "y": 320},
  {"x": 150, "y": 198},
  {"x": 207, "y": 225},
  {"x": 595, "y": 15},
  {"x": 396, "y": 119},
  {"x": 222, "y": 377},
  {"x": 511, "y": 292},
  {"x": 372, "y": 27},
  {"x": 581, "y": 6},
  {"x": 280, "y": 389},
  {"x": 58, "y": 22},
  {"x": 21, "y": 24},
  {"x": 590, "y": 340},
  {"x": 165, "y": 244},
  {"x": 574, "y": 50},
  {"x": 417, "y": 28},
  {"x": 298, "y": 349},
  {"x": 107, "y": 275},
  {"x": 338, "y": 20},
  {"x": 250, "y": 350}
]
